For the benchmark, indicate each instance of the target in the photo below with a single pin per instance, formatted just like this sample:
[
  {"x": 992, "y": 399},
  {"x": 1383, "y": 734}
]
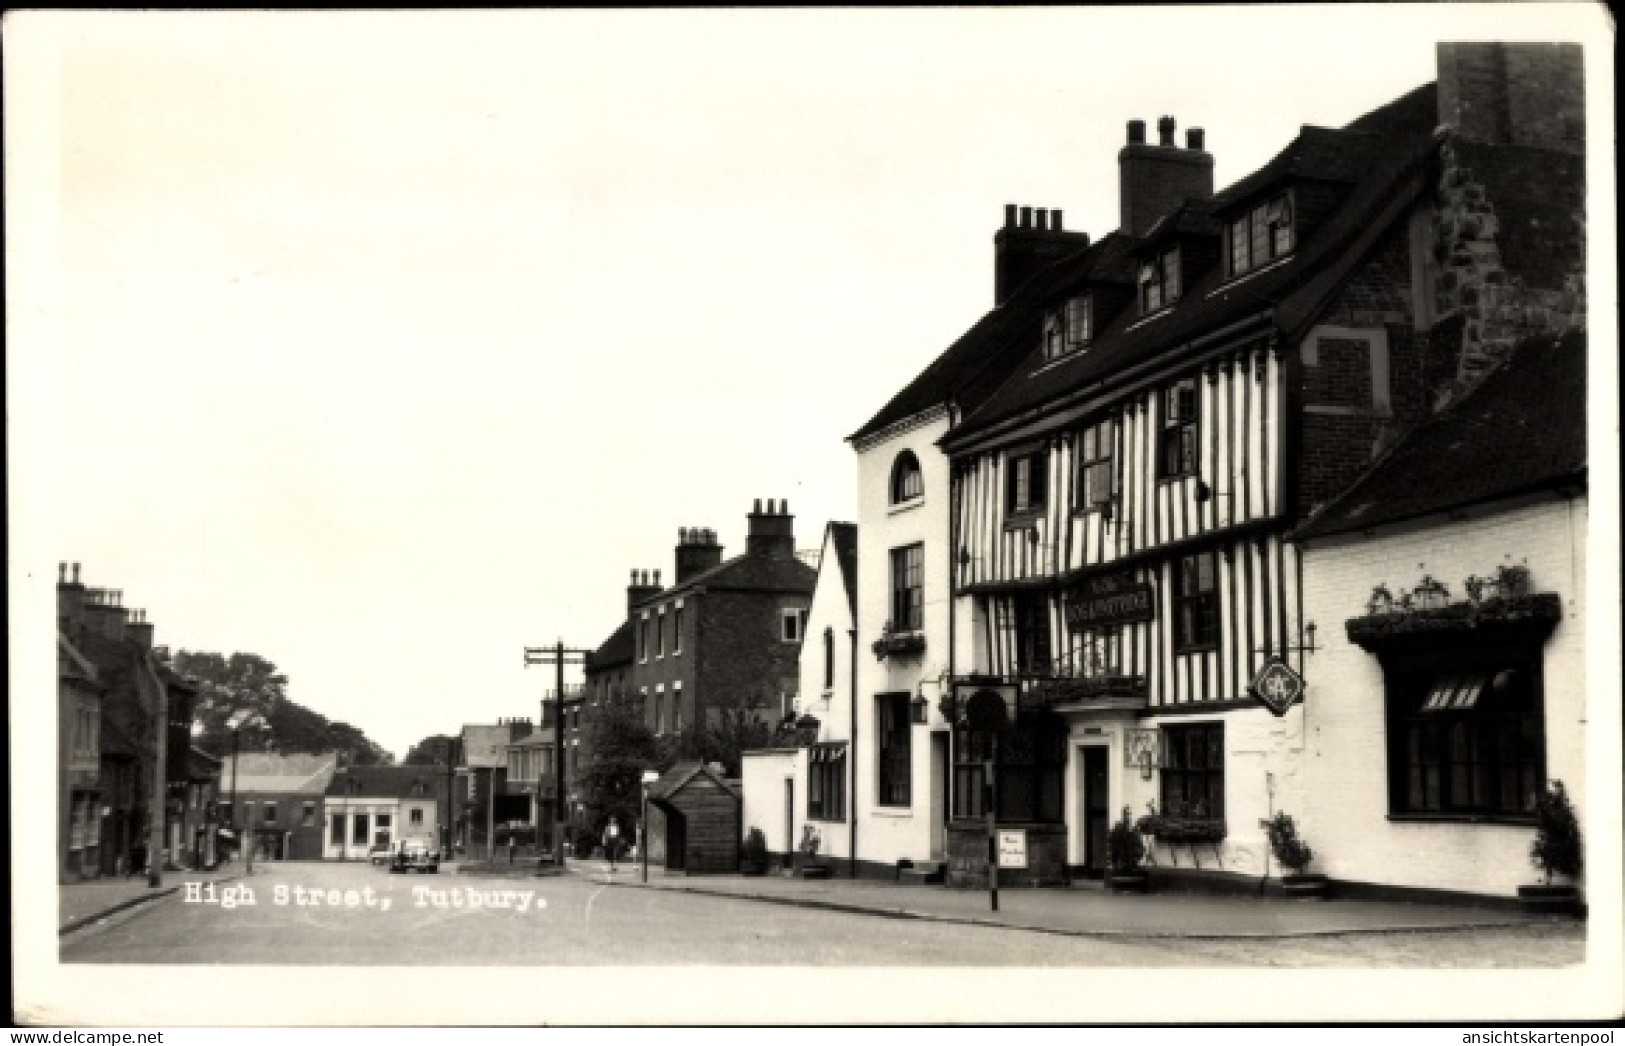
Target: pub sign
[
  {"x": 1277, "y": 686},
  {"x": 1113, "y": 599}
]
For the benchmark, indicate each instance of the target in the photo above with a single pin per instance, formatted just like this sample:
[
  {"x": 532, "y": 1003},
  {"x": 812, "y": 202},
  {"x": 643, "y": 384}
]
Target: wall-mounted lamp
[{"x": 917, "y": 707}]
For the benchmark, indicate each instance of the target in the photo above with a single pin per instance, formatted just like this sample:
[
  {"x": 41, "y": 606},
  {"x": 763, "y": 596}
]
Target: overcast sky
[{"x": 385, "y": 345}]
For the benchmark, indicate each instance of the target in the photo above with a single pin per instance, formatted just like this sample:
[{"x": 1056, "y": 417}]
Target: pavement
[
  {"x": 1083, "y": 911},
  {"x": 82, "y": 903}
]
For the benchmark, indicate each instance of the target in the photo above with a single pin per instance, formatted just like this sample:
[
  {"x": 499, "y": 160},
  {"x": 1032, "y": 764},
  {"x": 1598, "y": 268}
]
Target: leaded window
[{"x": 1193, "y": 771}]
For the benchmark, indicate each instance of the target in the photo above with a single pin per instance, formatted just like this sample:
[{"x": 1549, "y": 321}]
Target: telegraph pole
[{"x": 558, "y": 655}]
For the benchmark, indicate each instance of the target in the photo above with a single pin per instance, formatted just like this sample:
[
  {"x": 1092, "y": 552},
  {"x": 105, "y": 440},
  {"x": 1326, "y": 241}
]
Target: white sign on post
[{"x": 1013, "y": 848}]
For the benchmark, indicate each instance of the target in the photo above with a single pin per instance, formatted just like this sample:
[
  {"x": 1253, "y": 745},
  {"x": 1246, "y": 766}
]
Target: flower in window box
[
  {"x": 1475, "y": 587},
  {"x": 1381, "y": 601},
  {"x": 1430, "y": 594},
  {"x": 1512, "y": 582}
]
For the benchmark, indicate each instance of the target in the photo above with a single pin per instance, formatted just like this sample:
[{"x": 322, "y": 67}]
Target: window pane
[{"x": 1239, "y": 261}]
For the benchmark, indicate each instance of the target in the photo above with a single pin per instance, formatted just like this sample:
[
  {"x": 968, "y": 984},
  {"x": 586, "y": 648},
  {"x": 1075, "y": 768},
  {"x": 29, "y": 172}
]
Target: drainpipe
[
  {"x": 852, "y": 793},
  {"x": 953, "y": 617}
]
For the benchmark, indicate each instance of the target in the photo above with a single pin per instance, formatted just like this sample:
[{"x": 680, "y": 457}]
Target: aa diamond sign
[{"x": 1277, "y": 685}]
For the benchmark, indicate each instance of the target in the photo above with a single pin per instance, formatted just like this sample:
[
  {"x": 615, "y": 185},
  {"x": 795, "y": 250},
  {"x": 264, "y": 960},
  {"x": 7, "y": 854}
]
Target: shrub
[
  {"x": 1557, "y": 848},
  {"x": 754, "y": 849},
  {"x": 1290, "y": 851},
  {"x": 1125, "y": 850}
]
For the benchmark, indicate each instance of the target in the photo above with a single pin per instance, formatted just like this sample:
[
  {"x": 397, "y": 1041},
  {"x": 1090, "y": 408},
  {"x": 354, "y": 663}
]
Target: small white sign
[{"x": 1013, "y": 848}]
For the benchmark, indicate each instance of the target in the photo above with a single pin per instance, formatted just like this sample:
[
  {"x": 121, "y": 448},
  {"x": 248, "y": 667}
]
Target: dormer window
[
  {"x": 1262, "y": 235},
  {"x": 1159, "y": 282},
  {"x": 1069, "y": 328}
]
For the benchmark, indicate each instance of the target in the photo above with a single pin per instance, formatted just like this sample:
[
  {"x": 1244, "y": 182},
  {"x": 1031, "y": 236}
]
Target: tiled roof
[
  {"x": 844, "y": 536},
  {"x": 1191, "y": 218},
  {"x": 1294, "y": 289},
  {"x": 394, "y": 782},
  {"x": 747, "y": 573},
  {"x": 269, "y": 772},
  {"x": 1523, "y": 429},
  {"x": 616, "y": 650}
]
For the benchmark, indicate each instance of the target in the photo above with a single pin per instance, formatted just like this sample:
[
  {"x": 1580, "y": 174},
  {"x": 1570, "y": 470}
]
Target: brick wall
[{"x": 740, "y": 651}]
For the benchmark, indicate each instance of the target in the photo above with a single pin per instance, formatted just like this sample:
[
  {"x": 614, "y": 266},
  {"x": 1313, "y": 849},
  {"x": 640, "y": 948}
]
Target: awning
[
  {"x": 826, "y": 751},
  {"x": 1453, "y": 693}
]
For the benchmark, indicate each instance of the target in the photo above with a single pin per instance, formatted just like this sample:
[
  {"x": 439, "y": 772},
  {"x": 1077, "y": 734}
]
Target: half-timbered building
[{"x": 1129, "y": 630}]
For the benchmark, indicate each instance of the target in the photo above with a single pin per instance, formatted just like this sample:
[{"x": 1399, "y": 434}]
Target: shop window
[
  {"x": 1196, "y": 602},
  {"x": 1029, "y": 759},
  {"x": 892, "y": 723},
  {"x": 1193, "y": 771},
  {"x": 826, "y": 782},
  {"x": 1026, "y": 482},
  {"x": 1094, "y": 484},
  {"x": 907, "y": 482},
  {"x": 1178, "y": 451},
  {"x": 908, "y": 588},
  {"x": 1466, "y": 738},
  {"x": 336, "y": 830},
  {"x": 359, "y": 836}
]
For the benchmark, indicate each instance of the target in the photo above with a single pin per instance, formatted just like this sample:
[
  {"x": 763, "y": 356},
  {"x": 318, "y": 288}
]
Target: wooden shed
[{"x": 694, "y": 820}]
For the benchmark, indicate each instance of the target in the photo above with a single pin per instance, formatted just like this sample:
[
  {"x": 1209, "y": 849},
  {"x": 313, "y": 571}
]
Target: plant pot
[
  {"x": 1550, "y": 899},
  {"x": 1128, "y": 882},
  {"x": 1308, "y": 886}
]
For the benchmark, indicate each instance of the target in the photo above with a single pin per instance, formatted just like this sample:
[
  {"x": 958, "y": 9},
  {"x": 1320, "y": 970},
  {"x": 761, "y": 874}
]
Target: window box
[
  {"x": 1182, "y": 830},
  {"x": 899, "y": 644},
  {"x": 1491, "y": 620}
]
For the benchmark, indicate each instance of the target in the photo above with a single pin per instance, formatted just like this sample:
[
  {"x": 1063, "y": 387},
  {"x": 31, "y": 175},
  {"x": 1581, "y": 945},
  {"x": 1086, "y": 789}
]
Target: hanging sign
[
  {"x": 1116, "y": 599},
  {"x": 1277, "y": 686},
  {"x": 1013, "y": 848}
]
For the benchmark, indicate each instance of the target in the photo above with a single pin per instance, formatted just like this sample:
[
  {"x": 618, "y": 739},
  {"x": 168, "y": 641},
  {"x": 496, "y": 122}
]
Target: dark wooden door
[
  {"x": 676, "y": 841},
  {"x": 1097, "y": 811}
]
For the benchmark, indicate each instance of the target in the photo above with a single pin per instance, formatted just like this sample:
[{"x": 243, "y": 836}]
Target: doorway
[
  {"x": 1097, "y": 809},
  {"x": 789, "y": 822},
  {"x": 939, "y": 796}
]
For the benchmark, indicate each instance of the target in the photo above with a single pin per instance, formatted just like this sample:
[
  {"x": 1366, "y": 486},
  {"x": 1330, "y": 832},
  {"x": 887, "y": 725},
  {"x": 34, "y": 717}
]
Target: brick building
[
  {"x": 1189, "y": 388},
  {"x": 372, "y": 808},
  {"x": 728, "y": 633},
  {"x": 279, "y": 802},
  {"x": 114, "y": 689}
]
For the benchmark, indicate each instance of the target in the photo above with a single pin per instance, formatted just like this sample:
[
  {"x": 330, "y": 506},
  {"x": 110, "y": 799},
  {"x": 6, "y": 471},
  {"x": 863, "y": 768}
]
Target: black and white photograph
[{"x": 813, "y": 517}]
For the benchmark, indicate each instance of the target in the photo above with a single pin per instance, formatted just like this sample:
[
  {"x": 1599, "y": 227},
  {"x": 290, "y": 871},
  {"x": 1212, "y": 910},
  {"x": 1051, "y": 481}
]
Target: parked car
[{"x": 416, "y": 857}]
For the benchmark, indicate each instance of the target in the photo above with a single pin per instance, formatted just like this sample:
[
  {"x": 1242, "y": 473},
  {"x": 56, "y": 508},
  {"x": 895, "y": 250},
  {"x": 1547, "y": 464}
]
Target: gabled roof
[
  {"x": 389, "y": 782},
  {"x": 1523, "y": 429},
  {"x": 618, "y": 649},
  {"x": 979, "y": 361},
  {"x": 269, "y": 772},
  {"x": 844, "y": 537},
  {"x": 747, "y": 573},
  {"x": 1285, "y": 296},
  {"x": 678, "y": 777},
  {"x": 1191, "y": 218}
]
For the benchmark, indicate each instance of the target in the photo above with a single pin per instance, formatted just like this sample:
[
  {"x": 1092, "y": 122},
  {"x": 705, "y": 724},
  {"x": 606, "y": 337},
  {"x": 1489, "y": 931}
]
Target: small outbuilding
[{"x": 694, "y": 820}]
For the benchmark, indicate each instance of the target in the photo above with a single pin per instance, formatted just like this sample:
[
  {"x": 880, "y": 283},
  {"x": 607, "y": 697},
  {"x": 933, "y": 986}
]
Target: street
[
  {"x": 569, "y": 920},
  {"x": 357, "y": 914}
]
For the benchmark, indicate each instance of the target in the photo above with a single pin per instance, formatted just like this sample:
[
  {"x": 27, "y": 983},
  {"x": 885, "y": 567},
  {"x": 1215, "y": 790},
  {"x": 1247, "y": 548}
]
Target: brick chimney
[
  {"x": 103, "y": 613},
  {"x": 697, "y": 552},
  {"x": 70, "y": 599},
  {"x": 1514, "y": 94},
  {"x": 1155, "y": 179},
  {"x": 139, "y": 629},
  {"x": 1029, "y": 240},
  {"x": 644, "y": 585},
  {"x": 772, "y": 531}
]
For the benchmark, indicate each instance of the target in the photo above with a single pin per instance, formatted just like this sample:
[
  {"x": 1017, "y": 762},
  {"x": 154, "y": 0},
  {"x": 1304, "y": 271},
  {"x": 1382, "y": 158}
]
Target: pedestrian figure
[
  {"x": 612, "y": 842},
  {"x": 511, "y": 842}
]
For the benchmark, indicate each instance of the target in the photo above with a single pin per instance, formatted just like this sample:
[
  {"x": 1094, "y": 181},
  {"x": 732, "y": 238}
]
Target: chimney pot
[
  {"x": 657, "y": 579},
  {"x": 76, "y": 573},
  {"x": 1026, "y": 217},
  {"x": 1165, "y": 131},
  {"x": 756, "y": 507},
  {"x": 61, "y": 573},
  {"x": 1009, "y": 216},
  {"x": 1055, "y": 220},
  {"x": 1136, "y": 132},
  {"x": 1042, "y": 218},
  {"x": 1195, "y": 138}
]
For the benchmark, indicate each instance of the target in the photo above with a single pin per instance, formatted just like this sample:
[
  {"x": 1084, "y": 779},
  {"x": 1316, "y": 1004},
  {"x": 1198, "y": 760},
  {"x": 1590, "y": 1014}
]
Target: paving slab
[{"x": 1082, "y": 911}]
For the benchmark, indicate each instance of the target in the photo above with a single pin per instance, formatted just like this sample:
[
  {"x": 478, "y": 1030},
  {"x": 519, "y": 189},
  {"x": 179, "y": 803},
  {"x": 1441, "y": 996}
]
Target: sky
[{"x": 385, "y": 345}]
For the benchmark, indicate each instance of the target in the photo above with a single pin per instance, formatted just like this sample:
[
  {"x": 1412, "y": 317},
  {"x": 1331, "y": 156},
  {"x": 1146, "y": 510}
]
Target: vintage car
[
  {"x": 381, "y": 853},
  {"x": 415, "y": 856}
]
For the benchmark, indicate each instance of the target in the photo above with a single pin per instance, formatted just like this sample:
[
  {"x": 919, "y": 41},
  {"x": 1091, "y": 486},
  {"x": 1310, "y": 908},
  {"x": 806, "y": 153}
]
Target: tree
[
  {"x": 431, "y": 751},
  {"x": 734, "y": 724},
  {"x": 248, "y": 683},
  {"x": 619, "y": 747}
]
